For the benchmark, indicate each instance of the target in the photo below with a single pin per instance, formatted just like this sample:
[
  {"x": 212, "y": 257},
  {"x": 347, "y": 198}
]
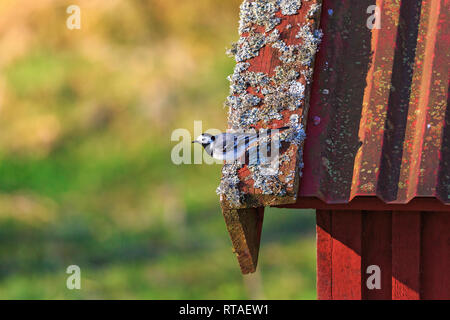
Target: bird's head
[{"x": 204, "y": 139}]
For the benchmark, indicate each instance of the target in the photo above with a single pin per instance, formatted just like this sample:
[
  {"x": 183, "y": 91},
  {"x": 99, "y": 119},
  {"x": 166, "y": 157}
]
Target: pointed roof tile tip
[{"x": 245, "y": 228}]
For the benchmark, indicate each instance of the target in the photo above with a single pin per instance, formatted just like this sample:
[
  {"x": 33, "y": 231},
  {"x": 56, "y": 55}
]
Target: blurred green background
[{"x": 85, "y": 172}]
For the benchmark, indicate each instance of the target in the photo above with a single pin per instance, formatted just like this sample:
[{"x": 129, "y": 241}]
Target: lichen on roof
[
  {"x": 290, "y": 7},
  {"x": 257, "y": 99},
  {"x": 258, "y": 12}
]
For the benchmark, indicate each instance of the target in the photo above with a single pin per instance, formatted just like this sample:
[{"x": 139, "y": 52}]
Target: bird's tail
[{"x": 277, "y": 130}]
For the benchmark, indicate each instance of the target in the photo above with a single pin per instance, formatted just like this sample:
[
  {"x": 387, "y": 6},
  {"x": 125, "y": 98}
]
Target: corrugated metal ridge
[{"x": 379, "y": 123}]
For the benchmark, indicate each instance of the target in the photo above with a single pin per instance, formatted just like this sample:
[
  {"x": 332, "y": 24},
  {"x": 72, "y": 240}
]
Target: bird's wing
[
  {"x": 232, "y": 146},
  {"x": 264, "y": 144}
]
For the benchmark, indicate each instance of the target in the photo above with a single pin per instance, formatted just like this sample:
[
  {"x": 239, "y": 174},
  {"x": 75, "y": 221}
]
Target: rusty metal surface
[{"x": 379, "y": 122}]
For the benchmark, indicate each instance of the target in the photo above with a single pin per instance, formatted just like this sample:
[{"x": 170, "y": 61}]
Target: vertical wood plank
[
  {"x": 324, "y": 249},
  {"x": 376, "y": 251},
  {"x": 346, "y": 255},
  {"x": 406, "y": 230},
  {"x": 435, "y": 258}
]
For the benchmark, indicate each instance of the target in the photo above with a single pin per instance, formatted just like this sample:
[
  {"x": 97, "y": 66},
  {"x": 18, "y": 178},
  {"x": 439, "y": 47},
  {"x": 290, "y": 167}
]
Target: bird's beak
[{"x": 194, "y": 141}]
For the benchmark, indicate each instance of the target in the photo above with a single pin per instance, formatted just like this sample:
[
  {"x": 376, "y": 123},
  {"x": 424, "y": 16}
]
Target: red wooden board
[
  {"x": 346, "y": 255},
  {"x": 376, "y": 250},
  {"x": 435, "y": 256},
  {"x": 324, "y": 259},
  {"x": 406, "y": 239}
]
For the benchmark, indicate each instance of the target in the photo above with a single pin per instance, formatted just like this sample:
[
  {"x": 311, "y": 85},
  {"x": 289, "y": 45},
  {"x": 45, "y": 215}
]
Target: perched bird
[{"x": 231, "y": 146}]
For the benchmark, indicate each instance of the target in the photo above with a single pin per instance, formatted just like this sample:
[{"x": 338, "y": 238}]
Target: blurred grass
[{"x": 85, "y": 170}]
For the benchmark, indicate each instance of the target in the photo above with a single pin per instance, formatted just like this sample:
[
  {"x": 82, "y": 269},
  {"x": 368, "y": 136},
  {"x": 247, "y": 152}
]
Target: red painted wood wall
[{"x": 411, "y": 249}]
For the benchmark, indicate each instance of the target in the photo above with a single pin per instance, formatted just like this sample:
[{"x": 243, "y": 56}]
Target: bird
[{"x": 233, "y": 146}]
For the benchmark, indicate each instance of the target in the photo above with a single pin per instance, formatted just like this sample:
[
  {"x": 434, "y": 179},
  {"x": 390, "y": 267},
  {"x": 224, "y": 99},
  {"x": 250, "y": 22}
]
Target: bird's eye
[{"x": 213, "y": 138}]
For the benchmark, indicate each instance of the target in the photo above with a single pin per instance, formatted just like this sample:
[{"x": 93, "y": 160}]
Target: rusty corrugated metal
[{"x": 379, "y": 122}]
